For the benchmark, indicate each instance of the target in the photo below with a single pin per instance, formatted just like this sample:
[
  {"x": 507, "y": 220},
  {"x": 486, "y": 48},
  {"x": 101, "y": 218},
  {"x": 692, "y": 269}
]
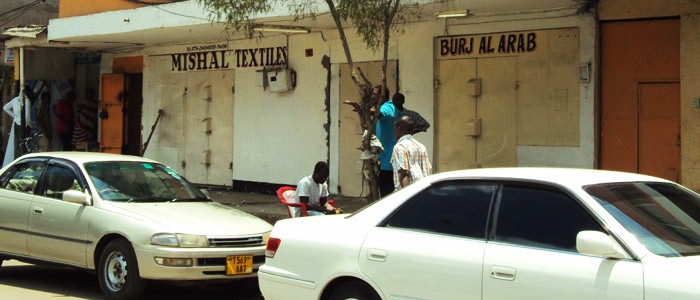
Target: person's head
[
  {"x": 375, "y": 93},
  {"x": 70, "y": 96},
  {"x": 90, "y": 94},
  {"x": 321, "y": 172},
  {"x": 403, "y": 126},
  {"x": 45, "y": 97},
  {"x": 398, "y": 100}
]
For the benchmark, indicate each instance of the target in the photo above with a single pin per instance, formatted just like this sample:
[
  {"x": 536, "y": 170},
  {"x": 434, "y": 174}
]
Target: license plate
[{"x": 239, "y": 264}]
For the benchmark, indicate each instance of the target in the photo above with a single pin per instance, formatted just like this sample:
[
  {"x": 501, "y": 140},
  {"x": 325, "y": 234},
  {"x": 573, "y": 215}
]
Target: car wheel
[
  {"x": 118, "y": 272},
  {"x": 353, "y": 290}
]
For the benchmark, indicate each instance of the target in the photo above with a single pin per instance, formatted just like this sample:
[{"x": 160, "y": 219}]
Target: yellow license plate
[{"x": 239, "y": 264}]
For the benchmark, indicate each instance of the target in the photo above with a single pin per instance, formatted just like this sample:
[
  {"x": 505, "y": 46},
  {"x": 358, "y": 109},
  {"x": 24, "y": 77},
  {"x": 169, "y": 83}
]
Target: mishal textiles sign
[
  {"x": 220, "y": 57},
  {"x": 486, "y": 45}
]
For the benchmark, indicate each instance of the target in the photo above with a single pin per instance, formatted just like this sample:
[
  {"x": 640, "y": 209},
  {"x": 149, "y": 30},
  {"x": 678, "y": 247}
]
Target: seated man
[{"x": 313, "y": 191}]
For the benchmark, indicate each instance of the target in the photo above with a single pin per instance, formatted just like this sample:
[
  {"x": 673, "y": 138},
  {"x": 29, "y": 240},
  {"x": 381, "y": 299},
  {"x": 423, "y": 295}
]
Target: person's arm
[
  {"x": 404, "y": 178},
  {"x": 399, "y": 162},
  {"x": 8, "y": 108},
  {"x": 309, "y": 206}
]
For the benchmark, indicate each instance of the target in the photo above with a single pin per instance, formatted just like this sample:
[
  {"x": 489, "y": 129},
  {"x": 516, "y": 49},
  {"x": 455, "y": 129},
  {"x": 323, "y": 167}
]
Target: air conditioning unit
[{"x": 281, "y": 80}]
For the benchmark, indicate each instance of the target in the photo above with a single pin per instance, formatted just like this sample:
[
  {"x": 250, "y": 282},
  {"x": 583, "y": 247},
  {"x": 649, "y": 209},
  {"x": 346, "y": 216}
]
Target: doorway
[
  {"x": 640, "y": 98},
  {"x": 121, "y": 103},
  {"x": 476, "y": 113}
]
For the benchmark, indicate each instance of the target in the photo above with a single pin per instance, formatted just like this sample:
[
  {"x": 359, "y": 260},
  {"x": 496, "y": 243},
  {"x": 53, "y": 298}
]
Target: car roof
[
  {"x": 84, "y": 157},
  {"x": 565, "y": 176}
]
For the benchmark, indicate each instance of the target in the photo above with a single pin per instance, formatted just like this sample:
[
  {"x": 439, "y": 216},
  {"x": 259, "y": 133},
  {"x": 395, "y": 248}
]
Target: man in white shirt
[
  {"x": 14, "y": 109},
  {"x": 313, "y": 191}
]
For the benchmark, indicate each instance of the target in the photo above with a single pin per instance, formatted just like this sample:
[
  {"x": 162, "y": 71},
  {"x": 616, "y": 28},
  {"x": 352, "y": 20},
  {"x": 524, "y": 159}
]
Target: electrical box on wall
[{"x": 281, "y": 80}]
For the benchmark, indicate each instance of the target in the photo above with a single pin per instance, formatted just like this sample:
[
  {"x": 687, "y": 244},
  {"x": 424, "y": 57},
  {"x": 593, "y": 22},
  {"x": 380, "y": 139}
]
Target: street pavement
[{"x": 269, "y": 207}]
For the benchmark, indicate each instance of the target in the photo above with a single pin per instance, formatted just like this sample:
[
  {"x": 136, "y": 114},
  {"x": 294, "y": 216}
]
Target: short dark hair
[
  {"x": 398, "y": 99},
  {"x": 321, "y": 166},
  {"x": 405, "y": 123}
]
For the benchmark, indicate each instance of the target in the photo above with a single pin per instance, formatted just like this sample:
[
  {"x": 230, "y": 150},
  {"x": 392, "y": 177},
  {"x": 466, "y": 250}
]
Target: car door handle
[
  {"x": 38, "y": 210},
  {"x": 376, "y": 254},
  {"x": 503, "y": 273}
]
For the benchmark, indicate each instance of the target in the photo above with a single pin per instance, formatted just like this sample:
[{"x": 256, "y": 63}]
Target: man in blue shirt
[{"x": 384, "y": 130}]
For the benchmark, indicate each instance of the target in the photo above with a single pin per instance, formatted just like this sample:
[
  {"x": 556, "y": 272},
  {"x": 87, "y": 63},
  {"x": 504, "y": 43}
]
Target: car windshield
[
  {"x": 663, "y": 216},
  {"x": 131, "y": 181}
]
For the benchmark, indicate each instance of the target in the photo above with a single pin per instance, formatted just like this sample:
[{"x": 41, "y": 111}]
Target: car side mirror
[
  {"x": 599, "y": 244},
  {"x": 76, "y": 197}
]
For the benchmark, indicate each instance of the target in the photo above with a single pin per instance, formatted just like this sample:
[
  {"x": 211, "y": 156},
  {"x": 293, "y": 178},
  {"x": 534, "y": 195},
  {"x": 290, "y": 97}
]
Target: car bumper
[
  {"x": 274, "y": 286},
  {"x": 208, "y": 263}
]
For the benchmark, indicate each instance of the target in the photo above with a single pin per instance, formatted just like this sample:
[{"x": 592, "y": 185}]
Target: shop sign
[
  {"x": 8, "y": 56},
  {"x": 487, "y": 45},
  {"x": 219, "y": 57},
  {"x": 87, "y": 58}
]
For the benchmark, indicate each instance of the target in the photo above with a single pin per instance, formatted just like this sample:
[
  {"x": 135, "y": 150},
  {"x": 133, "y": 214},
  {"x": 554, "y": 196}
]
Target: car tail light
[{"x": 272, "y": 245}]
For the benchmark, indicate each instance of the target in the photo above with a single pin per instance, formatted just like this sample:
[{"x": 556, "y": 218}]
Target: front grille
[
  {"x": 221, "y": 261},
  {"x": 236, "y": 241}
]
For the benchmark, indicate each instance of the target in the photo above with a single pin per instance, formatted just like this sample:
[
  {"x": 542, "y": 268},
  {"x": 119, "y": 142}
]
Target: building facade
[{"x": 522, "y": 84}]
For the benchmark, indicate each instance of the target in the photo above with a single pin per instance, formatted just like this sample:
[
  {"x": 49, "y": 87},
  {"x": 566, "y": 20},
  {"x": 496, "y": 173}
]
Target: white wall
[{"x": 279, "y": 136}]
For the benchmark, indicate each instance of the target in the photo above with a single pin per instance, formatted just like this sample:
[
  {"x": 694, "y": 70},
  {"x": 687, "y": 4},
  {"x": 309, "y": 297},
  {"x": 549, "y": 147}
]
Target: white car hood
[{"x": 206, "y": 218}]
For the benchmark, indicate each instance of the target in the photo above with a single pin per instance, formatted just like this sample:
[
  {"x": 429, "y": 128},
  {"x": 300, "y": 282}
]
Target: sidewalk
[{"x": 269, "y": 207}]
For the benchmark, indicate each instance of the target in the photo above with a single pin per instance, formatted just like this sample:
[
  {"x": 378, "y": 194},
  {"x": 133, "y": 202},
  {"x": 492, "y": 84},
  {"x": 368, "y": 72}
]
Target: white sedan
[
  {"x": 510, "y": 233},
  {"x": 126, "y": 218}
]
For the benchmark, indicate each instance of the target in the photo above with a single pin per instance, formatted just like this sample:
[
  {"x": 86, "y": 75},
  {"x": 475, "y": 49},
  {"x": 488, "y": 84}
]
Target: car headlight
[
  {"x": 179, "y": 240},
  {"x": 266, "y": 236}
]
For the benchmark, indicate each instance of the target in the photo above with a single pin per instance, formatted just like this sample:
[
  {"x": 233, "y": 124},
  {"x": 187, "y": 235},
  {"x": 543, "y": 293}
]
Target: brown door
[
  {"x": 111, "y": 113},
  {"x": 640, "y": 97},
  {"x": 659, "y": 130}
]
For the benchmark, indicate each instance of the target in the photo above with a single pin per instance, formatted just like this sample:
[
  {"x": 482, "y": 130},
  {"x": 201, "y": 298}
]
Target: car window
[
  {"x": 58, "y": 180},
  {"x": 132, "y": 181},
  {"x": 540, "y": 217},
  {"x": 664, "y": 217},
  {"x": 455, "y": 208},
  {"x": 24, "y": 177}
]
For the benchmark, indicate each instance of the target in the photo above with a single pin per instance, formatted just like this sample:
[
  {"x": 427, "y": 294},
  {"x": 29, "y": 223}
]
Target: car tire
[
  {"x": 118, "y": 272},
  {"x": 354, "y": 290}
]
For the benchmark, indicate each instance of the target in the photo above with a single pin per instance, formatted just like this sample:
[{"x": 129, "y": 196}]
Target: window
[
  {"x": 130, "y": 181},
  {"x": 23, "y": 177},
  {"x": 663, "y": 216},
  {"x": 58, "y": 180},
  {"x": 455, "y": 208},
  {"x": 541, "y": 218}
]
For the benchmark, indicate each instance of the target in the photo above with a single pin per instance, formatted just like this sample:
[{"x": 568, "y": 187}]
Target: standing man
[
  {"x": 409, "y": 158},
  {"x": 385, "y": 133},
  {"x": 85, "y": 129},
  {"x": 43, "y": 122},
  {"x": 14, "y": 109},
  {"x": 313, "y": 191},
  {"x": 65, "y": 120}
]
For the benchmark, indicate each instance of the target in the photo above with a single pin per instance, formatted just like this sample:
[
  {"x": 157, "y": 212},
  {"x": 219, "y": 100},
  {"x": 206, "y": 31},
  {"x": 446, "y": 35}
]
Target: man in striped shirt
[
  {"x": 85, "y": 119},
  {"x": 409, "y": 158}
]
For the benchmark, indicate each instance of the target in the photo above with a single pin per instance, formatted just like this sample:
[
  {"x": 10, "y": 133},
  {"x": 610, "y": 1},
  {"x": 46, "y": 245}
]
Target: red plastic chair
[{"x": 287, "y": 193}]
